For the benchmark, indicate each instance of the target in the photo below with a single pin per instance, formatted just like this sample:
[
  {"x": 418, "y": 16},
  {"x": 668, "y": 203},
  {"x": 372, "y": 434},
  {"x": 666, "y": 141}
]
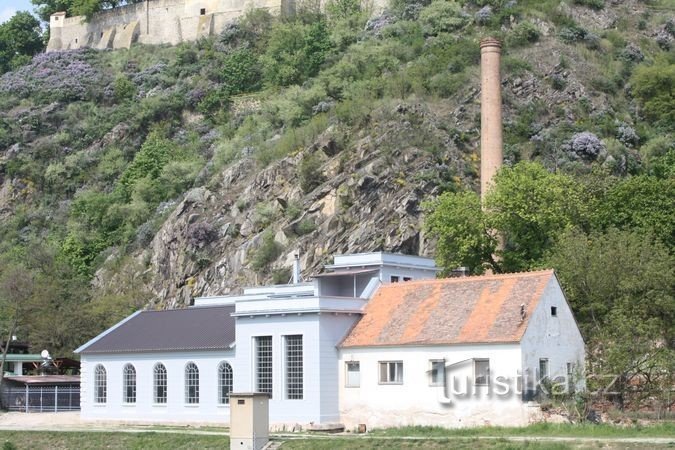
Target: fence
[{"x": 41, "y": 398}]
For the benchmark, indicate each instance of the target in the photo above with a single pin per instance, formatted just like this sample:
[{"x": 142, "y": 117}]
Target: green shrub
[
  {"x": 216, "y": 100},
  {"x": 443, "y": 16},
  {"x": 294, "y": 52},
  {"x": 593, "y": 4},
  {"x": 309, "y": 173},
  {"x": 654, "y": 87},
  {"x": 185, "y": 55},
  {"x": 524, "y": 33},
  {"x": 305, "y": 226},
  {"x": 240, "y": 71},
  {"x": 124, "y": 89},
  {"x": 266, "y": 253}
]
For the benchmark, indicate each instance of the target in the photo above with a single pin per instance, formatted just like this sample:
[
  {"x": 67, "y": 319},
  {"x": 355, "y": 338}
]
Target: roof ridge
[
  {"x": 189, "y": 308},
  {"x": 471, "y": 278}
]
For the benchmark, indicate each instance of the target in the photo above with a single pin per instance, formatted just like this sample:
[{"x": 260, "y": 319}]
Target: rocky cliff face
[{"x": 368, "y": 197}]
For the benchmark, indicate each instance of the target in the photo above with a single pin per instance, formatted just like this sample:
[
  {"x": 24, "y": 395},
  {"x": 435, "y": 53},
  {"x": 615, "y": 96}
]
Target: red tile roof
[{"x": 480, "y": 309}]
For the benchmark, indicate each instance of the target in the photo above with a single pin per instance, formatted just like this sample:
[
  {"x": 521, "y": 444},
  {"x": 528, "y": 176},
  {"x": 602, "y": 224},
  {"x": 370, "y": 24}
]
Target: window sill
[
  {"x": 223, "y": 406},
  {"x": 159, "y": 405},
  {"x": 99, "y": 405},
  {"x": 391, "y": 383},
  {"x": 191, "y": 405},
  {"x": 129, "y": 405},
  {"x": 353, "y": 387}
]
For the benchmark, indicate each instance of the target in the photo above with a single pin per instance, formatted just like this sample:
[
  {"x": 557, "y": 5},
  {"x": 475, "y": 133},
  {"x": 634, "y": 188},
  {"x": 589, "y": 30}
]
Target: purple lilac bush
[{"x": 55, "y": 76}]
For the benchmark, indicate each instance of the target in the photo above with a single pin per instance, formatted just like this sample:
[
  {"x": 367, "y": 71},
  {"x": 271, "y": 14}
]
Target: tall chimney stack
[{"x": 490, "y": 113}]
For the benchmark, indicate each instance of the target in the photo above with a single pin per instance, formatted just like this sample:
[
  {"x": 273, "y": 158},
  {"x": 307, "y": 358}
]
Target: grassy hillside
[{"x": 148, "y": 176}]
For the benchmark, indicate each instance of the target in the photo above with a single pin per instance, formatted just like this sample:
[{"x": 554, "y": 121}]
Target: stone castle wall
[{"x": 153, "y": 22}]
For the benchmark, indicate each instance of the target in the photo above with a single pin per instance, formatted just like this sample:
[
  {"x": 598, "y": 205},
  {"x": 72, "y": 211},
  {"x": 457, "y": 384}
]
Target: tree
[
  {"x": 20, "y": 39},
  {"x": 528, "y": 206},
  {"x": 621, "y": 286},
  {"x": 16, "y": 288},
  {"x": 531, "y": 206},
  {"x": 463, "y": 233},
  {"x": 640, "y": 202}
]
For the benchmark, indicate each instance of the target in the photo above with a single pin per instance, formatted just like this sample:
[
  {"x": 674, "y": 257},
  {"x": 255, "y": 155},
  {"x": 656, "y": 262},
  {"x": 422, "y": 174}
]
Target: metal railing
[{"x": 41, "y": 398}]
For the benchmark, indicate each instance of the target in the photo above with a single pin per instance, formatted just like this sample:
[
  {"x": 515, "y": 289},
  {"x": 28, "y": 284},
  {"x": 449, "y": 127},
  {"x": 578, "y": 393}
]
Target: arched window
[
  {"x": 100, "y": 384},
  {"x": 159, "y": 383},
  {"x": 224, "y": 383},
  {"x": 191, "y": 383},
  {"x": 129, "y": 383}
]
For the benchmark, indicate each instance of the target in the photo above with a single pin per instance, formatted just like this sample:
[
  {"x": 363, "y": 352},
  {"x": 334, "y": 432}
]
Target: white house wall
[
  {"x": 321, "y": 333},
  {"x": 554, "y": 338},
  {"x": 415, "y": 402},
  {"x": 144, "y": 409}
]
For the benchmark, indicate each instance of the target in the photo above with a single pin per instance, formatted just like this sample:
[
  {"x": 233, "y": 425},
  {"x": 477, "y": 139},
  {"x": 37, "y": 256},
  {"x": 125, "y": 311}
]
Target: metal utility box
[{"x": 249, "y": 420}]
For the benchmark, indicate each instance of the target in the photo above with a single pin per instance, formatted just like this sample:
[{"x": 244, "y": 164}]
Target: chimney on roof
[
  {"x": 490, "y": 112},
  {"x": 296, "y": 268}
]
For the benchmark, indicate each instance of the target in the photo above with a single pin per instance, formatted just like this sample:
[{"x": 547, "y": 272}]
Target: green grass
[
  {"x": 396, "y": 444},
  {"x": 666, "y": 429},
  {"x": 47, "y": 440}
]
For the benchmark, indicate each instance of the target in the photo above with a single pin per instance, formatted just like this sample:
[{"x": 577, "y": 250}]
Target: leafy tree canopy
[{"x": 20, "y": 39}]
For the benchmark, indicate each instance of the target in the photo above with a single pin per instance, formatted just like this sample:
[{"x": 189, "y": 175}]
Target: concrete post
[{"x": 491, "y": 153}]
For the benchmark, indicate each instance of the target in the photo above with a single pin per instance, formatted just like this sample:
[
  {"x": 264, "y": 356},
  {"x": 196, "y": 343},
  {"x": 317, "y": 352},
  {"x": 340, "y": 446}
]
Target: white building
[{"x": 372, "y": 340}]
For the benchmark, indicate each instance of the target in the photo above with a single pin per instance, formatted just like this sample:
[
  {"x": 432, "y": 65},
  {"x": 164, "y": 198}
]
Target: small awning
[
  {"x": 341, "y": 273},
  {"x": 19, "y": 357},
  {"x": 34, "y": 380}
]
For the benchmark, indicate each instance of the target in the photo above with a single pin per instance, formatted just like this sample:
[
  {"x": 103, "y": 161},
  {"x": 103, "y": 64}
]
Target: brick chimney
[{"x": 490, "y": 112}]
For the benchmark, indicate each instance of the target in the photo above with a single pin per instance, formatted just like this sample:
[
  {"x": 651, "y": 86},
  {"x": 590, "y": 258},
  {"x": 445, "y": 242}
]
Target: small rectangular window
[
  {"x": 391, "y": 372},
  {"x": 437, "y": 372},
  {"x": 353, "y": 378},
  {"x": 394, "y": 278},
  {"x": 407, "y": 278},
  {"x": 543, "y": 368},
  {"x": 481, "y": 370},
  {"x": 554, "y": 311},
  {"x": 202, "y": 12}
]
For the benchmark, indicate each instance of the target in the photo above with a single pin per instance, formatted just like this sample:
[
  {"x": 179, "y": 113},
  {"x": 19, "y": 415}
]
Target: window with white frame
[
  {"x": 100, "y": 384},
  {"x": 391, "y": 372},
  {"x": 263, "y": 364},
  {"x": 224, "y": 383},
  {"x": 159, "y": 383},
  {"x": 437, "y": 373},
  {"x": 191, "y": 384},
  {"x": 481, "y": 371},
  {"x": 294, "y": 367},
  {"x": 129, "y": 383},
  {"x": 353, "y": 376}
]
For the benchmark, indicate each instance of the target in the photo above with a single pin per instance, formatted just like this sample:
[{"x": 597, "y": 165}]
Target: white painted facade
[
  {"x": 144, "y": 409},
  {"x": 459, "y": 402},
  {"x": 323, "y": 312}
]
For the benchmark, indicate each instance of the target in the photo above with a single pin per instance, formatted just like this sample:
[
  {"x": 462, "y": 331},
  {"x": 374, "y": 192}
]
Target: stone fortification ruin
[{"x": 153, "y": 22}]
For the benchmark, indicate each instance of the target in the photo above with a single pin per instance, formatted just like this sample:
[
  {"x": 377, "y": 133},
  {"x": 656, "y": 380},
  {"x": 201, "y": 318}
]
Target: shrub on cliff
[
  {"x": 295, "y": 51},
  {"x": 56, "y": 76}
]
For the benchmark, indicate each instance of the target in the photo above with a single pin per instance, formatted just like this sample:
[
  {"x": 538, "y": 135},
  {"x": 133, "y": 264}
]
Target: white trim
[{"x": 106, "y": 332}]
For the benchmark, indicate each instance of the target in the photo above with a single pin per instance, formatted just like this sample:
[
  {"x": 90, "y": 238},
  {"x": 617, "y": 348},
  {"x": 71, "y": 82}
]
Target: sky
[{"x": 9, "y": 7}]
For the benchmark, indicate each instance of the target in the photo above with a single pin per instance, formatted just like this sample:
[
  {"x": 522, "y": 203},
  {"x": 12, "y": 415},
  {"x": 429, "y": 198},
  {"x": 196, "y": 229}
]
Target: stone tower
[{"x": 490, "y": 112}]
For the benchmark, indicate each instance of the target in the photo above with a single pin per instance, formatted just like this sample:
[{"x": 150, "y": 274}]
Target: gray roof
[{"x": 202, "y": 328}]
